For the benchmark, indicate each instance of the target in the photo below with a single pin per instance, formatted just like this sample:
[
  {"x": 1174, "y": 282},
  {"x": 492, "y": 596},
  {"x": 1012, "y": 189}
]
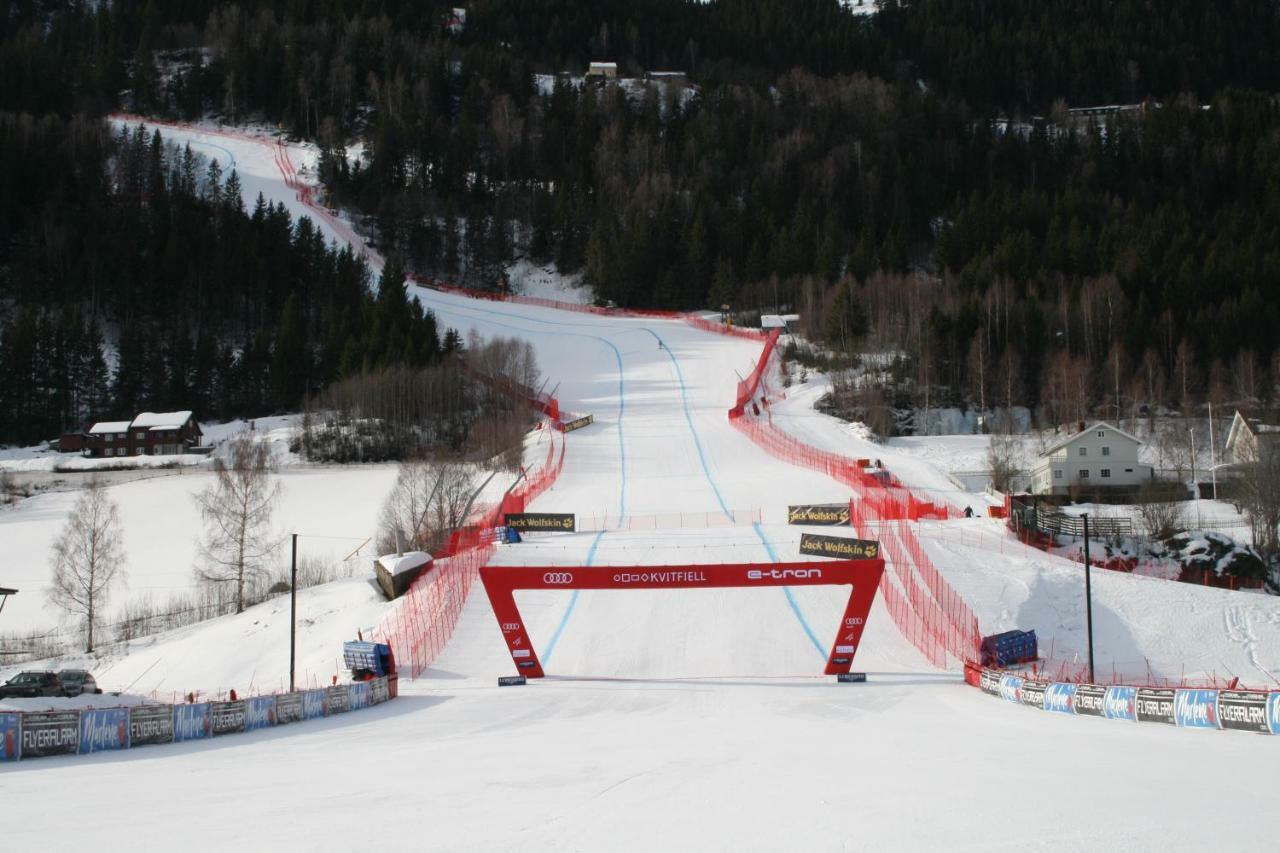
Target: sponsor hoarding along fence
[
  {"x": 35, "y": 734},
  {"x": 1186, "y": 708}
]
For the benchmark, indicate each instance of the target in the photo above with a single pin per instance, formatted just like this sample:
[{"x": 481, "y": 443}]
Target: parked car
[
  {"x": 77, "y": 681},
  {"x": 32, "y": 684}
]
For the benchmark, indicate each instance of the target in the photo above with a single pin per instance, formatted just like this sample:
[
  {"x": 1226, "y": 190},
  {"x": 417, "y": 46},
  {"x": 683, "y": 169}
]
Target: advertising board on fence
[
  {"x": 150, "y": 724},
  {"x": 545, "y": 522},
  {"x": 227, "y": 717},
  {"x": 259, "y": 712},
  {"x": 53, "y": 733},
  {"x": 339, "y": 699},
  {"x": 1033, "y": 693},
  {"x": 1196, "y": 709},
  {"x": 378, "y": 691},
  {"x": 1155, "y": 705},
  {"x": 314, "y": 704},
  {"x": 1121, "y": 703},
  {"x": 10, "y": 736},
  {"x": 578, "y": 423},
  {"x": 825, "y": 515},
  {"x": 288, "y": 708},
  {"x": 357, "y": 695},
  {"x": 815, "y": 545},
  {"x": 1011, "y": 688},
  {"x": 1242, "y": 710},
  {"x": 191, "y": 722},
  {"x": 1090, "y": 700},
  {"x": 990, "y": 682},
  {"x": 1273, "y": 713},
  {"x": 1060, "y": 698},
  {"x": 104, "y": 729}
]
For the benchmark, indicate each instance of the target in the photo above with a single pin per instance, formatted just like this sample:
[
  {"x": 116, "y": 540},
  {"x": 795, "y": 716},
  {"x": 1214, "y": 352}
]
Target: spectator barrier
[
  {"x": 1184, "y": 707},
  {"x": 32, "y": 734}
]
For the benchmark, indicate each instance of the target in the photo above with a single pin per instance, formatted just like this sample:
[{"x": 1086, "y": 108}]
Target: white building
[
  {"x": 1246, "y": 435},
  {"x": 603, "y": 70},
  {"x": 1100, "y": 456}
]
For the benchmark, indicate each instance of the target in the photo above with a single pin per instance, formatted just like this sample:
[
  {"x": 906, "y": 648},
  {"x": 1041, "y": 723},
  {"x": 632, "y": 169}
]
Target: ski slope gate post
[{"x": 500, "y": 582}]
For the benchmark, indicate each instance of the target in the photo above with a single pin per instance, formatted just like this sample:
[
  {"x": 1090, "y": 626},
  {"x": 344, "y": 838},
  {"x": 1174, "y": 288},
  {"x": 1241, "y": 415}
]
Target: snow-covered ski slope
[{"x": 683, "y": 720}]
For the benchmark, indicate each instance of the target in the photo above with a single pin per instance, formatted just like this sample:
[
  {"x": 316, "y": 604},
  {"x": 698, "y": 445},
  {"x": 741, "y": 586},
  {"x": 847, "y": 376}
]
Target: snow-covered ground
[
  {"x": 546, "y": 282},
  {"x": 690, "y": 720}
]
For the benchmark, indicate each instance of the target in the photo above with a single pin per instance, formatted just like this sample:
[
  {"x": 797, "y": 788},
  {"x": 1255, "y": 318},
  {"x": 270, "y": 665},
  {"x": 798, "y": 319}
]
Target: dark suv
[
  {"x": 77, "y": 681},
  {"x": 29, "y": 685}
]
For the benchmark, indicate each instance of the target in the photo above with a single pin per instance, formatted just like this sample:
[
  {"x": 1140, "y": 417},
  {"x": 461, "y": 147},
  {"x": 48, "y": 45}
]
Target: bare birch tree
[
  {"x": 236, "y": 510},
  {"x": 1004, "y": 456},
  {"x": 88, "y": 558},
  {"x": 425, "y": 504}
]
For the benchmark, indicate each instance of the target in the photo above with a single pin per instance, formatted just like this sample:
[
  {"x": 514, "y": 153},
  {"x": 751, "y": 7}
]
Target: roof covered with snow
[
  {"x": 403, "y": 563},
  {"x": 160, "y": 420},
  {"x": 103, "y": 427},
  {"x": 1099, "y": 425}
]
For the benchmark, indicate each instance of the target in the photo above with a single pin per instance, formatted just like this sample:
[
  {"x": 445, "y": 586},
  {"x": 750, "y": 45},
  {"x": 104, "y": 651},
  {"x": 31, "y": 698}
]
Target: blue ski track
[
  {"x": 201, "y": 143},
  {"x": 697, "y": 441}
]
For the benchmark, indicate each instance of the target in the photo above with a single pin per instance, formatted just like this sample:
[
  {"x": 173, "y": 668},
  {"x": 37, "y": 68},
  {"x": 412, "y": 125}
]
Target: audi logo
[
  {"x": 557, "y": 578},
  {"x": 511, "y": 626},
  {"x": 852, "y": 620}
]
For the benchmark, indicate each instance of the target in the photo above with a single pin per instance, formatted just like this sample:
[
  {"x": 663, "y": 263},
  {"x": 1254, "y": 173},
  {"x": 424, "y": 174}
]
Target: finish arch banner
[{"x": 863, "y": 576}]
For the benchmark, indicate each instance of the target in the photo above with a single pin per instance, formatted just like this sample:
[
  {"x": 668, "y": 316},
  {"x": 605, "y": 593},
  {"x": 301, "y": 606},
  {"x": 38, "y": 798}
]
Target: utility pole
[
  {"x": 293, "y": 611},
  {"x": 1213, "y": 462},
  {"x": 1088, "y": 595}
]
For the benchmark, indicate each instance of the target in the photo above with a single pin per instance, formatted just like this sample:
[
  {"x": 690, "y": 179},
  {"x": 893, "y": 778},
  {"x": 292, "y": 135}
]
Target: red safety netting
[
  {"x": 924, "y": 606},
  {"x": 539, "y": 401},
  {"x": 422, "y": 620},
  {"x": 581, "y": 308}
]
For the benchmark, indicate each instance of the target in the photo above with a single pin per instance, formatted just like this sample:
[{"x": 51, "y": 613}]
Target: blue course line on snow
[
  {"x": 573, "y": 602},
  {"x": 791, "y": 599},
  {"x": 697, "y": 442},
  {"x": 617, "y": 355},
  {"x": 622, "y": 447},
  {"x": 194, "y": 143}
]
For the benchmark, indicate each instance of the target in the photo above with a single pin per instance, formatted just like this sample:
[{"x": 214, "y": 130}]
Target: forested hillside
[{"x": 911, "y": 182}]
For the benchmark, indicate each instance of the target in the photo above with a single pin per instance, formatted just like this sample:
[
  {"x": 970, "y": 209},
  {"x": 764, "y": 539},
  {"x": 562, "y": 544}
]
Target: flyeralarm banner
[
  {"x": 838, "y": 547},
  {"x": 542, "y": 522},
  {"x": 819, "y": 515},
  {"x": 53, "y": 733},
  {"x": 150, "y": 724},
  {"x": 1242, "y": 710}
]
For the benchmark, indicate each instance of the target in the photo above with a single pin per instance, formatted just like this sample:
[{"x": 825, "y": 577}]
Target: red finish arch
[{"x": 501, "y": 582}]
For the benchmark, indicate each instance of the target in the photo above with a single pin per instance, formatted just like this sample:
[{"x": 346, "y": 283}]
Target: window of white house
[
  {"x": 1084, "y": 473},
  {"x": 1057, "y": 473},
  {"x": 1084, "y": 451},
  {"x": 1101, "y": 433},
  {"x": 1106, "y": 451},
  {"x": 1128, "y": 470},
  {"x": 1106, "y": 472}
]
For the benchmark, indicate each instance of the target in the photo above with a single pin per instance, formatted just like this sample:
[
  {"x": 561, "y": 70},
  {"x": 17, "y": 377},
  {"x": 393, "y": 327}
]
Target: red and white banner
[{"x": 500, "y": 582}]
